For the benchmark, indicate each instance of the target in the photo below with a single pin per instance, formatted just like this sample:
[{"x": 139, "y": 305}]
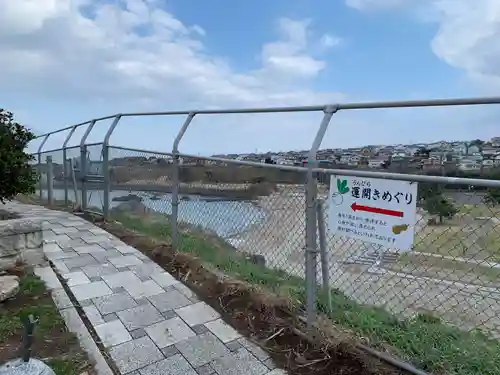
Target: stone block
[
  {"x": 169, "y": 300},
  {"x": 169, "y": 332},
  {"x": 113, "y": 303},
  {"x": 135, "y": 354},
  {"x": 140, "y": 317},
  {"x": 174, "y": 365},
  {"x": 199, "y": 313},
  {"x": 200, "y": 350}
]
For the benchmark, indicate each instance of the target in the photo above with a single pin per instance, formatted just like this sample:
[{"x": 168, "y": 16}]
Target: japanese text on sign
[{"x": 373, "y": 210}]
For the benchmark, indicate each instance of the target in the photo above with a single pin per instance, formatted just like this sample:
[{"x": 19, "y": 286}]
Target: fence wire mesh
[
  {"x": 234, "y": 217},
  {"x": 452, "y": 272},
  {"x": 250, "y": 221}
]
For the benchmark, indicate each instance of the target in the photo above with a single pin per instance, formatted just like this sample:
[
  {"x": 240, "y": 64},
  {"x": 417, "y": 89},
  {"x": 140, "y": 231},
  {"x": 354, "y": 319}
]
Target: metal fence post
[
  {"x": 39, "y": 152},
  {"x": 325, "y": 273},
  {"x": 106, "y": 166},
  {"x": 83, "y": 163},
  {"x": 65, "y": 165},
  {"x": 311, "y": 194},
  {"x": 175, "y": 180},
  {"x": 73, "y": 179},
  {"x": 83, "y": 175},
  {"x": 50, "y": 181}
]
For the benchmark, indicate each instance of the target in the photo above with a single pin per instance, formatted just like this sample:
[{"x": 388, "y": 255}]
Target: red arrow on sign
[{"x": 376, "y": 210}]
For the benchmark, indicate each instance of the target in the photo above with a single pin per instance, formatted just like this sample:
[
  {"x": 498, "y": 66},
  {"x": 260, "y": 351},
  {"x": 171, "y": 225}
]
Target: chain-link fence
[
  {"x": 258, "y": 214},
  {"x": 270, "y": 225}
]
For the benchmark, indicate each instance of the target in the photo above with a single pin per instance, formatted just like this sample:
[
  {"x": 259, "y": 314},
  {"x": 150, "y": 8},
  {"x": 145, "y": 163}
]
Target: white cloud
[
  {"x": 291, "y": 55},
  {"x": 468, "y": 35},
  {"x": 89, "y": 49},
  {"x": 379, "y": 4}
]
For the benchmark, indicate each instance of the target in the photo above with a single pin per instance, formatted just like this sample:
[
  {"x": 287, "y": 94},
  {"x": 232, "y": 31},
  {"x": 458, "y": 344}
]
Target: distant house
[{"x": 376, "y": 162}]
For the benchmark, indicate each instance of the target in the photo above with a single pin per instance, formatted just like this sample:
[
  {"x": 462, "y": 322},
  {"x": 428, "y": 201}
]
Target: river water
[{"x": 225, "y": 218}]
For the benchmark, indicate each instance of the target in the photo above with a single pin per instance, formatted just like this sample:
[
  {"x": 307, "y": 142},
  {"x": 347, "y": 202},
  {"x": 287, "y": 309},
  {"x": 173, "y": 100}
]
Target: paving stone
[
  {"x": 125, "y": 261},
  {"x": 114, "y": 303},
  {"x": 169, "y": 332},
  {"x": 103, "y": 256},
  {"x": 112, "y": 333},
  {"x": 98, "y": 231},
  {"x": 65, "y": 230},
  {"x": 169, "y": 314},
  {"x": 205, "y": 370},
  {"x": 146, "y": 269},
  {"x": 125, "y": 249},
  {"x": 121, "y": 279},
  {"x": 199, "y": 329},
  {"x": 76, "y": 278},
  {"x": 175, "y": 365},
  {"x": 277, "y": 371},
  {"x": 85, "y": 249},
  {"x": 137, "y": 333},
  {"x": 256, "y": 350},
  {"x": 73, "y": 243},
  {"x": 186, "y": 291},
  {"x": 85, "y": 302},
  {"x": 200, "y": 350},
  {"x": 144, "y": 278},
  {"x": 52, "y": 248},
  {"x": 64, "y": 255},
  {"x": 143, "y": 289},
  {"x": 99, "y": 270},
  {"x": 222, "y": 330},
  {"x": 110, "y": 317},
  {"x": 169, "y": 351},
  {"x": 61, "y": 299},
  {"x": 59, "y": 239},
  {"x": 240, "y": 362},
  {"x": 135, "y": 354},
  {"x": 93, "y": 315},
  {"x": 80, "y": 261},
  {"x": 140, "y": 317},
  {"x": 90, "y": 290},
  {"x": 164, "y": 279},
  {"x": 234, "y": 345},
  {"x": 197, "y": 313},
  {"x": 170, "y": 300},
  {"x": 60, "y": 266},
  {"x": 142, "y": 301}
]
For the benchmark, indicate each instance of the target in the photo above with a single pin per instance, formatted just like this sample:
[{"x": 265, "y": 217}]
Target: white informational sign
[{"x": 373, "y": 210}]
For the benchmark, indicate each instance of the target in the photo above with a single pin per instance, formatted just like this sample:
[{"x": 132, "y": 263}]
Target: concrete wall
[{"x": 20, "y": 240}]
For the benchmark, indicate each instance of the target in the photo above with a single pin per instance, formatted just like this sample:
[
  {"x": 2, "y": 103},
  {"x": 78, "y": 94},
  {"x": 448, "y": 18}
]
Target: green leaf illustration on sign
[{"x": 342, "y": 186}]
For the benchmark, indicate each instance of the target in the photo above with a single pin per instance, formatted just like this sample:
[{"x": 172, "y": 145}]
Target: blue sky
[{"x": 67, "y": 61}]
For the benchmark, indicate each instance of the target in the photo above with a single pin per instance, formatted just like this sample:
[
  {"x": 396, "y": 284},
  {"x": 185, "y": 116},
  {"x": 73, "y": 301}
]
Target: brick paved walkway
[{"x": 149, "y": 322}]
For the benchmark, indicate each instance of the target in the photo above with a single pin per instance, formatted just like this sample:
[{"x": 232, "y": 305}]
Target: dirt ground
[
  {"x": 267, "y": 320},
  {"x": 53, "y": 343}
]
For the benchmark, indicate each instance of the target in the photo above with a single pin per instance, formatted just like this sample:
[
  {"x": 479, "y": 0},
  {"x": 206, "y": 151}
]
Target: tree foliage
[
  {"x": 432, "y": 200},
  {"x": 16, "y": 175},
  {"x": 440, "y": 206}
]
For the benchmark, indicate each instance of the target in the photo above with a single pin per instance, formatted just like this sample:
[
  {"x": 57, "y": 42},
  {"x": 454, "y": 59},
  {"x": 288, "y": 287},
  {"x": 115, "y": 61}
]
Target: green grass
[
  {"x": 423, "y": 340},
  {"x": 50, "y": 327}
]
